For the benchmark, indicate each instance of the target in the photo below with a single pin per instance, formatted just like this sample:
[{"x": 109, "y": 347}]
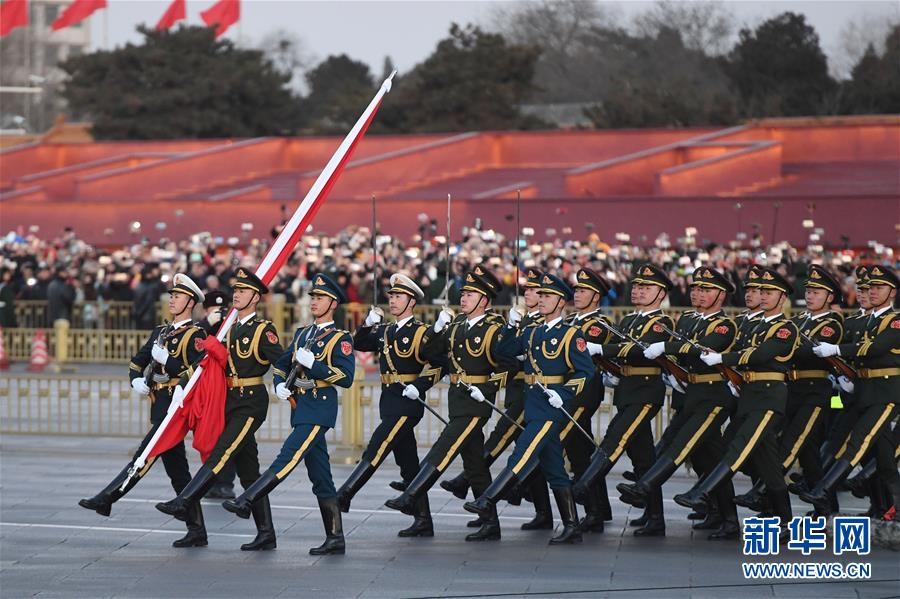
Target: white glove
[
  {"x": 655, "y": 350},
  {"x": 374, "y": 316},
  {"x": 672, "y": 382},
  {"x": 160, "y": 354},
  {"x": 476, "y": 393},
  {"x": 411, "y": 392},
  {"x": 520, "y": 357},
  {"x": 826, "y": 350},
  {"x": 282, "y": 391},
  {"x": 514, "y": 317},
  {"x": 610, "y": 380},
  {"x": 304, "y": 357},
  {"x": 443, "y": 319},
  {"x": 595, "y": 349},
  {"x": 711, "y": 358},
  {"x": 845, "y": 384},
  {"x": 215, "y": 317},
  {"x": 554, "y": 399},
  {"x": 140, "y": 386},
  {"x": 178, "y": 396},
  {"x": 734, "y": 390}
]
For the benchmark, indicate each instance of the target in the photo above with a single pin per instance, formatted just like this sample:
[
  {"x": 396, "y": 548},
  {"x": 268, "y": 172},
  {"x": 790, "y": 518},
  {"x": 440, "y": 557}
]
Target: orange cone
[
  {"x": 39, "y": 358},
  {"x": 4, "y": 360}
]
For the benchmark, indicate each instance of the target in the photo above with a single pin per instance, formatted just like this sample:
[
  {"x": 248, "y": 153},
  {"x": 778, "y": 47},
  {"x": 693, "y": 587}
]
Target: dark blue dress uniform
[{"x": 556, "y": 359}]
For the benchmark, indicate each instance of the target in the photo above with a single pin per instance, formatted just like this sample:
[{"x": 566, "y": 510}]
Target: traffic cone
[
  {"x": 4, "y": 361},
  {"x": 39, "y": 358}
]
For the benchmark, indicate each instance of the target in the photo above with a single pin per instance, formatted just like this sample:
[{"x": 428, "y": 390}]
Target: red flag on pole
[
  {"x": 13, "y": 13},
  {"x": 222, "y": 15},
  {"x": 77, "y": 12},
  {"x": 176, "y": 12}
]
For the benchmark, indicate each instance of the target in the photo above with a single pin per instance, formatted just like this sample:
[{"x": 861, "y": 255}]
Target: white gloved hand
[
  {"x": 140, "y": 386},
  {"x": 215, "y": 317},
  {"x": 375, "y": 316},
  {"x": 304, "y": 357},
  {"x": 160, "y": 354},
  {"x": 595, "y": 349},
  {"x": 411, "y": 392},
  {"x": 734, "y": 390},
  {"x": 845, "y": 384},
  {"x": 610, "y": 380},
  {"x": 826, "y": 350},
  {"x": 443, "y": 319},
  {"x": 711, "y": 358},
  {"x": 178, "y": 396},
  {"x": 282, "y": 392},
  {"x": 554, "y": 399},
  {"x": 514, "y": 317},
  {"x": 655, "y": 350},
  {"x": 520, "y": 357},
  {"x": 476, "y": 393}
]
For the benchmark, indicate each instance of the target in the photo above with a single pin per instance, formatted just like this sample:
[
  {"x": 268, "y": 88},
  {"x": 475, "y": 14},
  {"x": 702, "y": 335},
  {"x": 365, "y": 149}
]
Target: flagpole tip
[{"x": 386, "y": 86}]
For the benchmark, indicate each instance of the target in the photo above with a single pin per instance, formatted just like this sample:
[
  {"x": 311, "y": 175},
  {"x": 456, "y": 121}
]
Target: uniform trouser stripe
[
  {"x": 387, "y": 442},
  {"x": 753, "y": 440},
  {"x": 697, "y": 435},
  {"x": 843, "y": 448},
  {"x": 459, "y": 441},
  {"x": 237, "y": 441},
  {"x": 571, "y": 425},
  {"x": 534, "y": 443},
  {"x": 888, "y": 410},
  {"x": 802, "y": 438},
  {"x": 299, "y": 453},
  {"x": 624, "y": 440},
  {"x": 504, "y": 440}
]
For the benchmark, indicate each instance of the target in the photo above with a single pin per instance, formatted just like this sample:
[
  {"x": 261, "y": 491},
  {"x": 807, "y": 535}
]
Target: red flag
[
  {"x": 13, "y": 13},
  {"x": 222, "y": 15},
  {"x": 176, "y": 12},
  {"x": 77, "y": 12}
]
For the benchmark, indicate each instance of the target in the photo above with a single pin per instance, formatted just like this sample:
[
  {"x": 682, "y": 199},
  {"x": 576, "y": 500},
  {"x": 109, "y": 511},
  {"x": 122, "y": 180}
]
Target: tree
[
  {"x": 779, "y": 69},
  {"x": 703, "y": 25},
  {"x": 338, "y": 86},
  {"x": 875, "y": 84},
  {"x": 288, "y": 54},
  {"x": 181, "y": 83}
]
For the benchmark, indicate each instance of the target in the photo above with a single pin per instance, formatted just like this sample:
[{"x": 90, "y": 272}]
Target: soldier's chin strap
[{"x": 483, "y": 297}]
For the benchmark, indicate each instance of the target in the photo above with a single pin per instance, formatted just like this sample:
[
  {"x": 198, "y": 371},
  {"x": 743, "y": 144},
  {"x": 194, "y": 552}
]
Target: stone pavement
[{"x": 50, "y": 547}]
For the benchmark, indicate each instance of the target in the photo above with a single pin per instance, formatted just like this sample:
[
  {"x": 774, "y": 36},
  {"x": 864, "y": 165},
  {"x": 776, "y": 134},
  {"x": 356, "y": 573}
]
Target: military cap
[
  {"x": 822, "y": 279},
  {"x": 483, "y": 281},
  {"x": 533, "y": 278},
  {"x": 554, "y": 285},
  {"x": 182, "y": 283},
  {"x": 323, "y": 285},
  {"x": 772, "y": 279},
  {"x": 215, "y": 298},
  {"x": 650, "y": 274},
  {"x": 403, "y": 284},
  {"x": 248, "y": 280},
  {"x": 710, "y": 277},
  {"x": 753, "y": 275},
  {"x": 591, "y": 279},
  {"x": 882, "y": 275},
  {"x": 862, "y": 276}
]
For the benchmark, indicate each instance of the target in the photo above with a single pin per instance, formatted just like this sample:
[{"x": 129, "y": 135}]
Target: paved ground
[{"x": 49, "y": 547}]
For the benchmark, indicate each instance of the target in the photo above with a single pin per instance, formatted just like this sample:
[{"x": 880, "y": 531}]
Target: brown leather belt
[
  {"x": 519, "y": 376},
  {"x": 166, "y": 385},
  {"x": 751, "y": 376},
  {"x": 469, "y": 379},
  {"x": 233, "y": 382},
  {"x": 877, "y": 373},
  {"x": 695, "y": 379},
  {"x": 394, "y": 377},
  {"x": 640, "y": 370},
  {"x": 533, "y": 379},
  {"x": 796, "y": 375}
]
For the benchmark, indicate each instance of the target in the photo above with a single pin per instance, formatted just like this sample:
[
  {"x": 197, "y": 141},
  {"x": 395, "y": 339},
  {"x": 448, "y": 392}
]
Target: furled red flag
[
  {"x": 176, "y": 12},
  {"x": 222, "y": 15},
  {"x": 13, "y": 13},
  {"x": 77, "y": 12}
]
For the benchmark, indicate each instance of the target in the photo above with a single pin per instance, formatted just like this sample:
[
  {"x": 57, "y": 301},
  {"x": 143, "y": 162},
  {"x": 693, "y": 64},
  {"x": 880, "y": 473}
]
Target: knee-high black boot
[
  {"x": 458, "y": 485},
  {"x": 194, "y": 491},
  {"x": 359, "y": 477},
  {"x": 730, "y": 527},
  {"x": 637, "y": 493},
  {"x": 699, "y": 495},
  {"x": 484, "y": 505},
  {"x": 565, "y": 503},
  {"x": 334, "y": 529},
  {"x": 242, "y": 506},
  {"x": 819, "y": 496},
  {"x": 490, "y": 526},
  {"x": 540, "y": 497},
  {"x": 196, "y": 533},
  {"x": 600, "y": 466},
  {"x": 423, "y": 481},
  {"x": 265, "y": 529},
  {"x": 656, "y": 520},
  {"x": 781, "y": 506},
  {"x": 593, "y": 520},
  {"x": 102, "y": 501},
  {"x": 422, "y": 525},
  {"x": 754, "y": 499}
]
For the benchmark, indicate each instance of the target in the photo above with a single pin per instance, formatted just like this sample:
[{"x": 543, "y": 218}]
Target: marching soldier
[
  {"x": 557, "y": 368},
  {"x": 170, "y": 351},
  {"x": 469, "y": 344},
  {"x": 749, "y": 318},
  {"x": 318, "y": 360},
  {"x": 639, "y": 392},
  {"x": 401, "y": 406},
  {"x": 252, "y": 347},
  {"x": 877, "y": 394},
  {"x": 764, "y": 358},
  {"x": 708, "y": 402}
]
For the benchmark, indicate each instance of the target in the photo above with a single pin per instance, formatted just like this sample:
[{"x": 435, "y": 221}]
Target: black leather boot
[
  {"x": 640, "y": 520},
  {"x": 699, "y": 495},
  {"x": 476, "y": 523},
  {"x": 699, "y": 514},
  {"x": 819, "y": 496},
  {"x": 265, "y": 529},
  {"x": 193, "y": 492},
  {"x": 636, "y": 493},
  {"x": 458, "y": 485},
  {"x": 196, "y": 534},
  {"x": 593, "y": 519},
  {"x": 781, "y": 507},
  {"x": 102, "y": 501},
  {"x": 599, "y": 466},
  {"x": 754, "y": 499},
  {"x": 858, "y": 484},
  {"x": 490, "y": 528},
  {"x": 543, "y": 513},
  {"x": 656, "y": 521},
  {"x": 424, "y": 480},
  {"x": 359, "y": 477},
  {"x": 422, "y": 525},
  {"x": 713, "y": 518},
  {"x": 397, "y": 485},
  {"x": 485, "y": 504},
  {"x": 565, "y": 503},
  {"x": 603, "y": 499},
  {"x": 334, "y": 529},
  {"x": 243, "y": 506},
  {"x": 730, "y": 527}
]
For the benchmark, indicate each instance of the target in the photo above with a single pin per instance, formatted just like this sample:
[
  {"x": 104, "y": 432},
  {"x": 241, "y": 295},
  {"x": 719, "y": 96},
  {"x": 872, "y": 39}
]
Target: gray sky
[{"x": 408, "y": 30}]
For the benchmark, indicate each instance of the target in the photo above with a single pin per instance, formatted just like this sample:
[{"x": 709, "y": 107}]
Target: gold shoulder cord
[
  {"x": 453, "y": 360},
  {"x": 234, "y": 371},
  {"x": 183, "y": 344},
  {"x": 254, "y": 345},
  {"x": 386, "y": 351}
]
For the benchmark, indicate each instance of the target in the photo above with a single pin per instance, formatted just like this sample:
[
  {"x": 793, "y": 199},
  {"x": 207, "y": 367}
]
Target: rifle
[
  {"x": 731, "y": 375},
  {"x": 571, "y": 419},
  {"x": 291, "y": 380},
  {"x": 666, "y": 363},
  {"x": 840, "y": 367},
  {"x": 150, "y": 373}
]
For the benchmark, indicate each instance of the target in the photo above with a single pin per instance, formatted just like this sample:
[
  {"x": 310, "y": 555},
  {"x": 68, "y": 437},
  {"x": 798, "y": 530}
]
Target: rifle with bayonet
[
  {"x": 840, "y": 367},
  {"x": 666, "y": 363},
  {"x": 153, "y": 378},
  {"x": 731, "y": 375}
]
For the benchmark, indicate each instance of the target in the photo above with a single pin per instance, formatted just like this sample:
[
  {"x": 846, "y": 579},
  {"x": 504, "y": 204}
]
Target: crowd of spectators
[{"x": 66, "y": 271}]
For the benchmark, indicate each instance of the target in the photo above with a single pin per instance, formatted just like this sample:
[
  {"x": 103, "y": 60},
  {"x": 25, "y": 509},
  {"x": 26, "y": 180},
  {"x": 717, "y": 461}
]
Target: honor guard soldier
[
  {"x": 252, "y": 347},
  {"x": 405, "y": 378},
  {"x": 557, "y": 369},
  {"x": 764, "y": 361},
  {"x": 639, "y": 392},
  {"x": 505, "y": 432},
  {"x": 749, "y": 318},
  {"x": 469, "y": 344},
  {"x": 877, "y": 395},
  {"x": 318, "y": 360},
  {"x": 170, "y": 351},
  {"x": 708, "y": 403}
]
